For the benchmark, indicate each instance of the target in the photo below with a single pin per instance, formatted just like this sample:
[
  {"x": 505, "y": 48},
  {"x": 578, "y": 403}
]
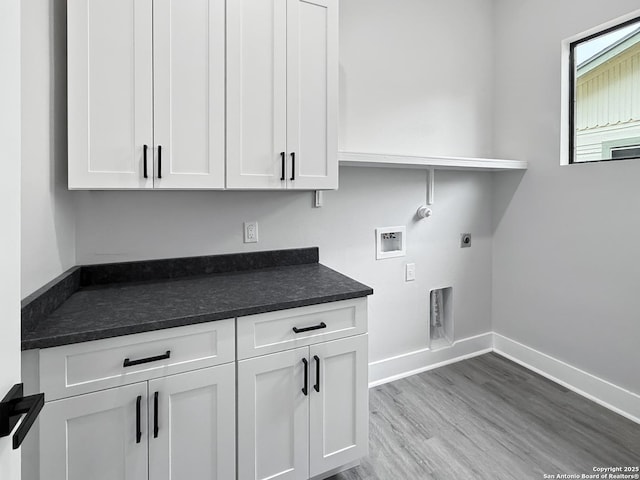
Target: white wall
[
  {"x": 566, "y": 266},
  {"x": 425, "y": 103},
  {"x": 10, "y": 214},
  {"x": 48, "y": 235},
  {"x": 134, "y": 225},
  {"x": 416, "y": 76}
]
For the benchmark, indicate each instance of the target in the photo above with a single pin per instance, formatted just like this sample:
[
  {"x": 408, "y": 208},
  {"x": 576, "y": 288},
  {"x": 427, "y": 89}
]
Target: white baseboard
[
  {"x": 605, "y": 393},
  {"x": 395, "y": 368}
]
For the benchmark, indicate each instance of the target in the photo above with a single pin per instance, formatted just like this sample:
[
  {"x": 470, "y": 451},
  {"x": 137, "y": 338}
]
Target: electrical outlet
[
  {"x": 410, "y": 272},
  {"x": 250, "y": 232},
  {"x": 465, "y": 240}
]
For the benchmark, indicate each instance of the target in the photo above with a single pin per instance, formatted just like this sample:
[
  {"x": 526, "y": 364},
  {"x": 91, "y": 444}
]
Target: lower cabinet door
[
  {"x": 273, "y": 416},
  {"x": 339, "y": 403},
  {"x": 97, "y": 436},
  {"x": 192, "y": 425}
]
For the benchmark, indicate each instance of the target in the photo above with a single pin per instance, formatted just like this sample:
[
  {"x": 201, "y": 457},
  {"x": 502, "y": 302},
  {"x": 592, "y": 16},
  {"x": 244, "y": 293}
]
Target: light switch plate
[{"x": 410, "y": 272}]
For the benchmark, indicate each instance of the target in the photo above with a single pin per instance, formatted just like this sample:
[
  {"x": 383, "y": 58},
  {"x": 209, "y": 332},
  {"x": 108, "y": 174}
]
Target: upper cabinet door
[
  {"x": 256, "y": 93},
  {"x": 312, "y": 95},
  {"x": 189, "y": 91},
  {"x": 110, "y": 104}
]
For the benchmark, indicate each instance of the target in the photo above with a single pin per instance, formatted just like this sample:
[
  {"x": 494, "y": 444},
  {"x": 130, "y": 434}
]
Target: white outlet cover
[{"x": 250, "y": 232}]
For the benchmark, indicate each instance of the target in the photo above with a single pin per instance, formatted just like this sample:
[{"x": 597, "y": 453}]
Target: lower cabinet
[
  {"x": 194, "y": 437},
  {"x": 176, "y": 427},
  {"x": 94, "y": 436},
  {"x": 170, "y": 404},
  {"x": 339, "y": 404},
  {"x": 303, "y": 412}
]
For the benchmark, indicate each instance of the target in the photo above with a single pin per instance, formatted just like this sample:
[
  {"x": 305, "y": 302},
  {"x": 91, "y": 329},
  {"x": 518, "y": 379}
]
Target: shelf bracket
[
  {"x": 431, "y": 182},
  {"x": 424, "y": 211}
]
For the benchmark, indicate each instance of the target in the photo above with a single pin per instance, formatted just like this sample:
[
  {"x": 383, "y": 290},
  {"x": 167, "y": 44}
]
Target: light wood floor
[{"x": 489, "y": 418}]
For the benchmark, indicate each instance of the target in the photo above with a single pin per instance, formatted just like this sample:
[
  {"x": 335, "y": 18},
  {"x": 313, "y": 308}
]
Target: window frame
[{"x": 572, "y": 89}]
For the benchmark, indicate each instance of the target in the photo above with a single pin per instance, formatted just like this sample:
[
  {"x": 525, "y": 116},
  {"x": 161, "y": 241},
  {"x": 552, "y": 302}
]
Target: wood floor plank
[{"x": 489, "y": 418}]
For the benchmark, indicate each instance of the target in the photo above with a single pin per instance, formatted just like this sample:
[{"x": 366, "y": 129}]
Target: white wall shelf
[{"x": 356, "y": 159}]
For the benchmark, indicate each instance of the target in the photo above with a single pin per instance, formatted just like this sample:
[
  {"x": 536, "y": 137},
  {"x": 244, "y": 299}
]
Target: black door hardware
[
  {"x": 293, "y": 165},
  {"x": 159, "y": 161},
  {"x": 131, "y": 363},
  {"x": 316, "y": 387},
  {"x": 156, "y": 428},
  {"x": 138, "y": 429},
  {"x": 282, "y": 154},
  {"x": 308, "y": 329},
  {"x": 13, "y": 406},
  {"x": 305, "y": 389},
  {"x": 144, "y": 164}
]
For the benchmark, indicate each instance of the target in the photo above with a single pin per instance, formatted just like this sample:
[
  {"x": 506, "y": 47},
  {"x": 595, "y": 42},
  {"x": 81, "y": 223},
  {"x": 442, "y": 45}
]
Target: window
[
  {"x": 627, "y": 152},
  {"x": 604, "y": 112}
]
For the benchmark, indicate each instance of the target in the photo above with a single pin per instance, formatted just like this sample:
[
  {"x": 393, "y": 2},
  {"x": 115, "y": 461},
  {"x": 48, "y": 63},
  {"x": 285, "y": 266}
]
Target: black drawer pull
[
  {"x": 144, "y": 149},
  {"x": 305, "y": 389},
  {"x": 308, "y": 329},
  {"x": 159, "y": 161},
  {"x": 156, "y": 427},
  {"x": 293, "y": 165},
  {"x": 316, "y": 387},
  {"x": 138, "y": 429},
  {"x": 131, "y": 363},
  {"x": 282, "y": 154}
]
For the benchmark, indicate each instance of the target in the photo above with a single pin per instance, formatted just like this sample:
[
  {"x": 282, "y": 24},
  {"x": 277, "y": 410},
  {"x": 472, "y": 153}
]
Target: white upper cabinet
[
  {"x": 110, "y": 106},
  {"x": 282, "y": 81},
  {"x": 189, "y": 50},
  {"x": 152, "y": 104},
  {"x": 256, "y": 93},
  {"x": 146, "y": 94},
  {"x": 312, "y": 96}
]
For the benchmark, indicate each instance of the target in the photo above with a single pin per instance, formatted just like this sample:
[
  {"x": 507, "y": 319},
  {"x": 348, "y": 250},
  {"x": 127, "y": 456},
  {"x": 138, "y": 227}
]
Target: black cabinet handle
[
  {"x": 305, "y": 389},
  {"x": 316, "y": 387},
  {"x": 156, "y": 428},
  {"x": 308, "y": 329},
  {"x": 12, "y": 407},
  {"x": 284, "y": 166},
  {"x": 144, "y": 163},
  {"x": 131, "y": 363},
  {"x": 159, "y": 161},
  {"x": 293, "y": 165},
  {"x": 138, "y": 429}
]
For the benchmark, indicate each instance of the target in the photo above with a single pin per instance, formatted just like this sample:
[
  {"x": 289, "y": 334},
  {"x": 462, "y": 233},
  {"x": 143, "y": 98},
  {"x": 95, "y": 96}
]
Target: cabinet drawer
[
  {"x": 86, "y": 367},
  {"x": 274, "y": 331}
]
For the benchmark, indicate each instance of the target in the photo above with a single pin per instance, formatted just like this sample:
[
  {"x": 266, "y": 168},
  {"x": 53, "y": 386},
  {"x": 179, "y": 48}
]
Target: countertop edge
[
  {"x": 37, "y": 306},
  {"x": 49, "y": 342}
]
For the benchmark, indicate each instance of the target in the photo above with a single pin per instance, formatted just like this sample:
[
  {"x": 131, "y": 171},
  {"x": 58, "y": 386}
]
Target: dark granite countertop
[{"x": 113, "y": 309}]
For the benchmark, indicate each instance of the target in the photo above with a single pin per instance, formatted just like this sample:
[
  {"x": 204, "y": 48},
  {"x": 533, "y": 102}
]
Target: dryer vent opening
[{"x": 440, "y": 317}]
